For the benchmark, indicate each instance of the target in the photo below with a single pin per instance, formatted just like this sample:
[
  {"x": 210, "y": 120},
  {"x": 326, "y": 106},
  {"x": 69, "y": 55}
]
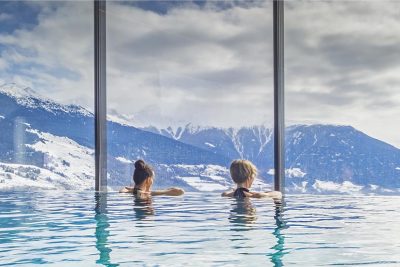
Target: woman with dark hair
[{"x": 143, "y": 178}]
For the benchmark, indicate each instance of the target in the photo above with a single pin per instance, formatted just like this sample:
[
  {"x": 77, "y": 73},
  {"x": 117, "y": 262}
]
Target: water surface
[{"x": 84, "y": 229}]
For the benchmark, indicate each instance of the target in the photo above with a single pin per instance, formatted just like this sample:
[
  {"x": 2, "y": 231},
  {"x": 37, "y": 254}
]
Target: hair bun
[{"x": 140, "y": 164}]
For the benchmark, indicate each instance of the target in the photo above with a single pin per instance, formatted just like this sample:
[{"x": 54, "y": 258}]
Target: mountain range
[{"x": 50, "y": 145}]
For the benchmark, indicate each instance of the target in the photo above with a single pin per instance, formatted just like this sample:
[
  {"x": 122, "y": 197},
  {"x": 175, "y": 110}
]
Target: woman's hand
[{"x": 126, "y": 189}]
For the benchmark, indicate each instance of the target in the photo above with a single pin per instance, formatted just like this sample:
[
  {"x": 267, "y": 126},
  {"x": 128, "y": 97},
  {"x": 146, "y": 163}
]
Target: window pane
[
  {"x": 46, "y": 94},
  {"x": 189, "y": 89},
  {"x": 342, "y": 95}
]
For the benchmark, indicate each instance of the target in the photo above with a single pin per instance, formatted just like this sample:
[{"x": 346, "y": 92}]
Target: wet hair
[
  {"x": 241, "y": 170},
  {"x": 142, "y": 172}
]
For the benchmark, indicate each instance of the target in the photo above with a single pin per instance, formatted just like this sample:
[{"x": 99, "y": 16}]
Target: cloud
[
  {"x": 56, "y": 56},
  {"x": 211, "y": 63},
  {"x": 341, "y": 64},
  {"x": 5, "y": 16}
]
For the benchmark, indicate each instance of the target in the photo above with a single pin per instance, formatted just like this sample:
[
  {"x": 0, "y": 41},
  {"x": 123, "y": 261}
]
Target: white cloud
[
  {"x": 342, "y": 62},
  {"x": 214, "y": 66},
  {"x": 56, "y": 56},
  {"x": 204, "y": 66},
  {"x": 5, "y": 16}
]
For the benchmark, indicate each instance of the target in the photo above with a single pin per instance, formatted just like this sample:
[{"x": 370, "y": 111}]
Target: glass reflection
[{"x": 102, "y": 232}]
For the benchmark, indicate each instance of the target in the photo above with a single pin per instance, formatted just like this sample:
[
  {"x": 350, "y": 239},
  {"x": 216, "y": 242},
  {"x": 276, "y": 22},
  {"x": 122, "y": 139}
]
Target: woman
[
  {"x": 143, "y": 178},
  {"x": 243, "y": 173}
]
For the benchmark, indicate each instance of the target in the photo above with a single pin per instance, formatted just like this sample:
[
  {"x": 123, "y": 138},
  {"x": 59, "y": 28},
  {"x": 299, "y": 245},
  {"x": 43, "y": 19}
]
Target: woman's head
[
  {"x": 143, "y": 174},
  {"x": 243, "y": 172}
]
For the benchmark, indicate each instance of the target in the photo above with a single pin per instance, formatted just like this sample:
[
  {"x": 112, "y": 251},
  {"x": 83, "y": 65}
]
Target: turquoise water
[{"x": 81, "y": 229}]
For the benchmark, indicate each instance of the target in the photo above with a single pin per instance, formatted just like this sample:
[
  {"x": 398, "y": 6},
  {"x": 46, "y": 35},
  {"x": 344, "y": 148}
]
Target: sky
[{"x": 210, "y": 62}]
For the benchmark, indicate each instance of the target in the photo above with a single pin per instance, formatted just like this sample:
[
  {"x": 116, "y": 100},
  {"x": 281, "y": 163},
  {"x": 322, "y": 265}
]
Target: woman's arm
[
  {"x": 272, "y": 194},
  {"x": 168, "y": 192},
  {"x": 126, "y": 189}
]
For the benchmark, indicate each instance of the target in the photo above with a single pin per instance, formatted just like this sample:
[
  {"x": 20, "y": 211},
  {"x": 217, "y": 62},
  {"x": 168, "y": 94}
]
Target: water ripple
[{"x": 84, "y": 229}]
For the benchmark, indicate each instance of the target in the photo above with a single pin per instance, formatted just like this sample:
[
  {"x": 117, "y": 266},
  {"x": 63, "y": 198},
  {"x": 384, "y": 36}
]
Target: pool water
[{"x": 85, "y": 229}]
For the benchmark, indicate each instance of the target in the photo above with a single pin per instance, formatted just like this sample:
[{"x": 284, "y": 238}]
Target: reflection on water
[
  {"x": 243, "y": 216},
  {"x": 143, "y": 207},
  {"x": 279, "y": 248},
  {"x": 102, "y": 232},
  {"x": 59, "y": 230}
]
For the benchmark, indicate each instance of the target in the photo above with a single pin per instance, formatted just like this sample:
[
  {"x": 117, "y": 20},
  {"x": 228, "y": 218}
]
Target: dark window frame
[{"x": 101, "y": 99}]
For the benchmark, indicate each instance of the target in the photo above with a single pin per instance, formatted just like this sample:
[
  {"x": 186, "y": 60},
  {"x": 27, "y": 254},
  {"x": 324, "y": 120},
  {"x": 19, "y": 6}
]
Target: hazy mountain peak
[
  {"x": 28, "y": 97},
  {"x": 19, "y": 91}
]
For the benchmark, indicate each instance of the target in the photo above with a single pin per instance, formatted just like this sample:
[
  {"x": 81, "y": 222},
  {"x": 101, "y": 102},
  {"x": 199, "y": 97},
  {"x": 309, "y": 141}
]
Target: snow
[
  {"x": 175, "y": 133},
  {"x": 216, "y": 174},
  {"x": 66, "y": 158},
  {"x": 28, "y": 97},
  {"x": 18, "y": 91},
  {"x": 315, "y": 139},
  {"x": 235, "y": 137},
  {"x": 119, "y": 120},
  {"x": 297, "y": 137},
  {"x": 193, "y": 129},
  {"x": 209, "y": 144},
  {"x": 329, "y": 186},
  {"x": 398, "y": 168},
  {"x": 294, "y": 173},
  {"x": 2, "y": 117},
  {"x": 208, "y": 177},
  {"x": 373, "y": 187},
  {"x": 264, "y": 136},
  {"x": 290, "y": 173},
  {"x": 23, "y": 176},
  {"x": 302, "y": 187},
  {"x": 202, "y": 184},
  {"x": 124, "y": 160}
]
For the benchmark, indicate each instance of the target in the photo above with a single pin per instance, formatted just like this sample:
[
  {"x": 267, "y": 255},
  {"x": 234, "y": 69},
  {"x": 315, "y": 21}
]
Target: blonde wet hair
[{"x": 241, "y": 170}]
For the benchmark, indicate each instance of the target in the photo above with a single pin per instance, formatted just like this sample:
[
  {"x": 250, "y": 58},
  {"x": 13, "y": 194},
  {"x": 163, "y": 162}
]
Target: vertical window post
[
  {"x": 279, "y": 104},
  {"x": 100, "y": 111}
]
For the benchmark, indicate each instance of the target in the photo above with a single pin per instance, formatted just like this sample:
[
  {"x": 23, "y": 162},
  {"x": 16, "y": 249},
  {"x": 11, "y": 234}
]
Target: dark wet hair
[{"x": 142, "y": 172}]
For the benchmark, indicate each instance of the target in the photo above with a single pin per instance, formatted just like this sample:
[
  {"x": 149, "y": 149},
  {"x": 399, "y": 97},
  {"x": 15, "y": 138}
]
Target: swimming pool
[{"x": 84, "y": 229}]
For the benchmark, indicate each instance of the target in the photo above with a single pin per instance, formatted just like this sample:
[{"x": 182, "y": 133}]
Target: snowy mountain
[
  {"x": 248, "y": 142},
  {"x": 49, "y": 145},
  {"x": 319, "y": 158},
  {"x": 48, "y": 137}
]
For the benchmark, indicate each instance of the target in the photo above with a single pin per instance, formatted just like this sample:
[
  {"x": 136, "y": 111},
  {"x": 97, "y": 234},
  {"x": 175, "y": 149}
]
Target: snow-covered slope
[
  {"x": 67, "y": 165},
  {"x": 206, "y": 177}
]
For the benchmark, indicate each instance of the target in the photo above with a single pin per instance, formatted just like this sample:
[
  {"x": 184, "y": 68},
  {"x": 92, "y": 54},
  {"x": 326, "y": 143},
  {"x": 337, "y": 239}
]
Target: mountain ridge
[{"x": 319, "y": 158}]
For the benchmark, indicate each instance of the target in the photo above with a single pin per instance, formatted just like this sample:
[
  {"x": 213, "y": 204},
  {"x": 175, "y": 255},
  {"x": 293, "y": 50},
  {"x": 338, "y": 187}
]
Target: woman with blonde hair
[{"x": 243, "y": 173}]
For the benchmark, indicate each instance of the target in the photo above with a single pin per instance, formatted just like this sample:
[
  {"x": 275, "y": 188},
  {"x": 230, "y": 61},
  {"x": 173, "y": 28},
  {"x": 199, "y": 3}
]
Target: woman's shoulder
[{"x": 228, "y": 193}]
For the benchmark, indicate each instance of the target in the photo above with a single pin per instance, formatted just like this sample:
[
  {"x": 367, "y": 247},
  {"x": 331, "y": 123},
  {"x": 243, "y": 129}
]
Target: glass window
[
  {"x": 46, "y": 94},
  {"x": 342, "y": 95},
  {"x": 189, "y": 89}
]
